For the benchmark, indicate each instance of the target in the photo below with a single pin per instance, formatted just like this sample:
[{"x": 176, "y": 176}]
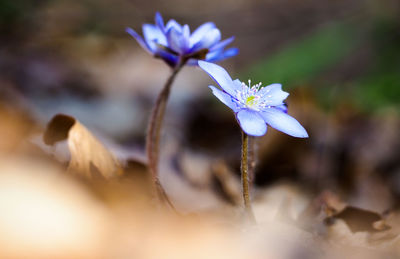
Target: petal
[
  {"x": 184, "y": 41},
  {"x": 220, "y": 76},
  {"x": 222, "y": 44},
  {"x": 251, "y": 122},
  {"x": 174, "y": 40},
  {"x": 192, "y": 62},
  {"x": 168, "y": 57},
  {"x": 237, "y": 81},
  {"x": 238, "y": 84},
  {"x": 159, "y": 21},
  {"x": 224, "y": 97},
  {"x": 274, "y": 94},
  {"x": 220, "y": 55},
  {"x": 200, "y": 32},
  {"x": 138, "y": 38},
  {"x": 214, "y": 56},
  {"x": 173, "y": 24},
  {"x": 283, "y": 107},
  {"x": 152, "y": 35},
  {"x": 230, "y": 52},
  {"x": 283, "y": 122},
  {"x": 208, "y": 40}
]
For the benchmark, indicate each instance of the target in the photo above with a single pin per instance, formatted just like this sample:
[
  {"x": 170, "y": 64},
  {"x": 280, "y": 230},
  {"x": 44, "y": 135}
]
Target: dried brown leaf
[
  {"x": 360, "y": 220},
  {"x": 88, "y": 155}
]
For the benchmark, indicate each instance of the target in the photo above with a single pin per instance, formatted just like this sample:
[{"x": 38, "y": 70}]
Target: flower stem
[
  {"x": 245, "y": 177},
  {"x": 252, "y": 159},
  {"x": 153, "y": 135}
]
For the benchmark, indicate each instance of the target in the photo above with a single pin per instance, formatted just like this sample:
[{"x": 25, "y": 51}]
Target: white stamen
[{"x": 250, "y": 97}]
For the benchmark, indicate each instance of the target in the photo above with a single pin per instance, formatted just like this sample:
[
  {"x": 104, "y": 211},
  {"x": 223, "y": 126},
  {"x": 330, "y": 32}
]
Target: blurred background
[{"x": 340, "y": 61}]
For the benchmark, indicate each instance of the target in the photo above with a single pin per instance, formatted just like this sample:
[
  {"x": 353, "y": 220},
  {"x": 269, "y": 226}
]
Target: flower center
[
  {"x": 250, "y": 97},
  {"x": 251, "y": 100}
]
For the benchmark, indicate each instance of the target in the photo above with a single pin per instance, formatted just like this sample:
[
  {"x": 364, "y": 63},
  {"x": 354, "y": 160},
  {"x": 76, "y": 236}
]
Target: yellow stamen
[{"x": 250, "y": 101}]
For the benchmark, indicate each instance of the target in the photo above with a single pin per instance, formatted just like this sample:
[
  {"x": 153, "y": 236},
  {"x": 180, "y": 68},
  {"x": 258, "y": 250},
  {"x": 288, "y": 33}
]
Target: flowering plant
[
  {"x": 174, "y": 43},
  {"x": 255, "y": 107}
]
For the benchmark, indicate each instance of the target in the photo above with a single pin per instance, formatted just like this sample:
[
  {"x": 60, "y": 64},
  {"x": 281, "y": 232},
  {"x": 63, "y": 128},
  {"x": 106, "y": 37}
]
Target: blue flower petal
[
  {"x": 200, "y": 32},
  {"x": 220, "y": 76},
  {"x": 238, "y": 84},
  {"x": 208, "y": 40},
  {"x": 283, "y": 122},
  {"x": 179, "y": 40},
  {"x": 174, "y": 40},
  {"x": 152, "y": 35},
  {"x": 222, "y": 44},
  {"x": 159, "y": 22},
  {"x": 214, "y": 56},
  {"x": 230, "y": 52},
  {"x": 192, "y": 62},
  {"x": 224, "y": 98},
  {"x": 185, "y": 39},
  {"x": 251, "y": 122},
  {"x": 220, "y": 54},
  {"x": 173, "y": 24},
  {"x": 139, "y": 39},
  {"x": 283, "y": 107},
  {"x": 273, "y": 94},
  {"x": 171, "y": 59}
]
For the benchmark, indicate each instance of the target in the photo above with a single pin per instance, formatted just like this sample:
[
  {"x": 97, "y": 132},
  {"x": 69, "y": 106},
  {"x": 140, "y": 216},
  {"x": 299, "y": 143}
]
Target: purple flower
[
  {"x": 173, "y": 42},
  {"x": 255, "y": 106}
]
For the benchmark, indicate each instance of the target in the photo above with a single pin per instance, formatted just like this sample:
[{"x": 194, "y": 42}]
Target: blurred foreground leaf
[
  {"x": 88, "y": 155},
  {"x": 47, "y": 214},
  {"x": 360, "y": 220}
]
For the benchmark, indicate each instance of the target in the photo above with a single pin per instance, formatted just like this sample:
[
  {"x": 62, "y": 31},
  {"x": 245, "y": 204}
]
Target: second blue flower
[{"x": 173, "y": 42}]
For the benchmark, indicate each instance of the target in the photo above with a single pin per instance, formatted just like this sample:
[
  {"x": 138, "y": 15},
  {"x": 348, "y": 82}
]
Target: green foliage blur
[{"x": 335, "y": 49}]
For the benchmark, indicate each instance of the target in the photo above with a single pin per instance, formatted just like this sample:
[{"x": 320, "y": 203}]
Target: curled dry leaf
[
  {"x": 360, "y": 220},
  {"x": 88, "y": 155}
]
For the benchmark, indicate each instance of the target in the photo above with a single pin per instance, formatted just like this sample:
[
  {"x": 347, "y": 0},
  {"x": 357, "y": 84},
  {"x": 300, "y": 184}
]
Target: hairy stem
[
  {"x": 245, "y": 177},
  {"x": 153, "y": 135},
  {"x": 252, "y": 158}
]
